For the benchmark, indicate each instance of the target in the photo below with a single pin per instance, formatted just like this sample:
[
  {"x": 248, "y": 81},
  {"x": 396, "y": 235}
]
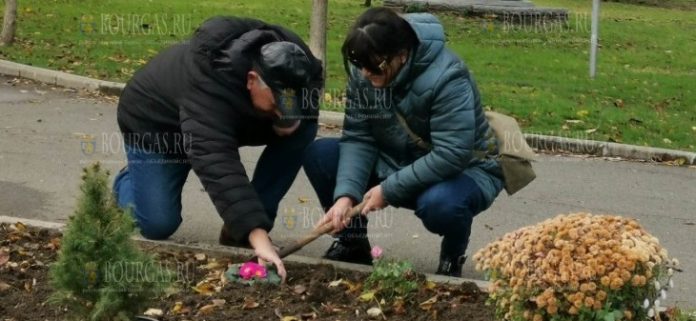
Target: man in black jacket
[{"x": 237, "y": 82}]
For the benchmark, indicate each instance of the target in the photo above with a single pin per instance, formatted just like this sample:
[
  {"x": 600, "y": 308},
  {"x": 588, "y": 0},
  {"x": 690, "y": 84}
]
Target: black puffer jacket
[{"x": 191, "y": 102}]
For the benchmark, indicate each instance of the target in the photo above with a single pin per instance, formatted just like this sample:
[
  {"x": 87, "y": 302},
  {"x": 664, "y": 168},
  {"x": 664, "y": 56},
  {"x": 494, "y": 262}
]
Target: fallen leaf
[
  {"x": 4, "y": 286},
  {"x": 590, "y": 131},
  {"x": 619, "y": 103},
  {"x": 299, "y": 289},
  {"x": 154, "y": 312},
  {"x": 374, "y": 312},
  {"x": 4, "y": 256},
  {"x": 693, "y": 128},
  {"x": 200, "y": 256},
  {"x": 583, "y": 113},
  {"x": 336, "y": 283},
  {"x": 667, "y": 141},
  {"x": 29, "y": 286},
  {"x": 415, "y": 236},
  {"x": 204, "y": 288},
  {"x": 219, "y": 302},
  {"x": 303, "y": 199},
  {"x": 399, "y": 306},
  {"x": 367, "y": 296},
  {"x": 353, "y": 287},
  {"x": 573, "y": 121},
  {"x": 207, "y": 309},
  {"x": 249, "y": 304},
  {"x": 178, "y": 306},
  {"x": 427, "y": 304},
  {"x": 53, "y": 244},
  {"x": 430, "y": 285},
  {"x": 290, "y": 318},
  {"x": 19, "y": 227}
]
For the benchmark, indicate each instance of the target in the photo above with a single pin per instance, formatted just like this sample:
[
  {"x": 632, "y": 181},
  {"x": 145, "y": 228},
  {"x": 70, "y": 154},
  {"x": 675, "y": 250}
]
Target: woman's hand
[
  {"x": 259, "y": 240},
  {"x": 337, "y": 213},
  {"x": 374, "y": 200}
]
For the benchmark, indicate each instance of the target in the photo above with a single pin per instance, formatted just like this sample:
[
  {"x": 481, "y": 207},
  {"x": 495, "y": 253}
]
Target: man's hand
[
  {"x": 337, "y": 213},
  {"x": 258, "y": 238},
  {"x": 374, "y": 200}
]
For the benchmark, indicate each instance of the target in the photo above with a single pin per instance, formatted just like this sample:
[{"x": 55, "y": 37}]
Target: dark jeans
[
  {"x": 446, "y": 208},
  {"x": 152, "y": 183}
]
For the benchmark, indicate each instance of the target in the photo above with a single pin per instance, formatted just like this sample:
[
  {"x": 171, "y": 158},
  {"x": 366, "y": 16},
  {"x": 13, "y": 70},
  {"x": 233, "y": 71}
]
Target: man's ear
[{"x": 252, "y": 78}]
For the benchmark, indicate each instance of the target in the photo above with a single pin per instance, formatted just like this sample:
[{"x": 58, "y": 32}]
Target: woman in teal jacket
[{"x": 414, "y": 136}]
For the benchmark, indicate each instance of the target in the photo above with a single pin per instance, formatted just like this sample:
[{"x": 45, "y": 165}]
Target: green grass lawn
[{"x": 643, "y": 94}]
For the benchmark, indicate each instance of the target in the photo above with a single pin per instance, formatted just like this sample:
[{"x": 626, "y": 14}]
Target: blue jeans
[
  {"x": 446, "y": 208},
  {"x": 152, "y": 183}
]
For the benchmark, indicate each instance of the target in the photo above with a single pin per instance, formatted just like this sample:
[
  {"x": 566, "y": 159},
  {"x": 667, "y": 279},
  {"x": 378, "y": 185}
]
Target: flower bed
[{"x": 312, "y": 292}]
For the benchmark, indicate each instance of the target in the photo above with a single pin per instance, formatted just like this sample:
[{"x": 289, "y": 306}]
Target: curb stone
[
  {"x": 608, "y": 149},
  {"x": 59, "y": 78},
  {"x": 539, "y": 142},
  {"x": 226, "y": 250}
]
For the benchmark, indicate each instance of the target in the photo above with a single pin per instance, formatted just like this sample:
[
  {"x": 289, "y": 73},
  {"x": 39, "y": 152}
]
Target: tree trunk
[
  {"x": 9, "y": 23},
  {"x": 317, "y": 31},
  {"x": 368, "y": 3}
]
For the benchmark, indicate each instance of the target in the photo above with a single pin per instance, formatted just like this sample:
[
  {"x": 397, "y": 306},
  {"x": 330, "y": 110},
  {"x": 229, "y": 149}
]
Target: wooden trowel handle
[{"x": 315, "y": 233}]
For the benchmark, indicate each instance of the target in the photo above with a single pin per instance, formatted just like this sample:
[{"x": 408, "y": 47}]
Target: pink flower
[
  {"x": 376, "y": 252},
  {"x": 251, "y": 270}
]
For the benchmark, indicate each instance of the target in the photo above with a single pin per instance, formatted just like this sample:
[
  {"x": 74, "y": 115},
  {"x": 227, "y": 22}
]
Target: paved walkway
[{"x": 42, "y": 153}]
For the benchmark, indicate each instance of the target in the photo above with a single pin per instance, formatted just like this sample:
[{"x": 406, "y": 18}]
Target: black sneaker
[
  {"x": 451, "y": 266},
  {"x": 352, "y": 251}
]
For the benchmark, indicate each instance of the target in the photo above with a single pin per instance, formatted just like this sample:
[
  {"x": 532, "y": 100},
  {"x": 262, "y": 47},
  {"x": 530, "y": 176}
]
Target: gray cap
[{"x": 285, "y": 68}]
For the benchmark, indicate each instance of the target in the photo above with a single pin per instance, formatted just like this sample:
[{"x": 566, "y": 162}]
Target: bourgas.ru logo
[
  {"x": 289, "y": 218},
  {"x": 87, "y": 25},
  {"x": 90, "y": 275},
  {"x": 88, "y": 144}
]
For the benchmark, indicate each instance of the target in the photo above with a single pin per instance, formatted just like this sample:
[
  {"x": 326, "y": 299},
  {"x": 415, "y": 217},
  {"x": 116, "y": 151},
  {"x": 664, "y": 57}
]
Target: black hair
[{"x": 379, "y": 34}]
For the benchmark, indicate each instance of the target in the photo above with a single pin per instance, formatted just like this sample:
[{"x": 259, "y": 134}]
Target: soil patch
[{"x": 311, "y": 293}]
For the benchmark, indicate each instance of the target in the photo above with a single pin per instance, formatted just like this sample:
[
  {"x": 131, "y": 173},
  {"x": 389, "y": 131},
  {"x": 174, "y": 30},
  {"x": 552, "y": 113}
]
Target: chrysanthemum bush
[{"x": 577, "y": 267}]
